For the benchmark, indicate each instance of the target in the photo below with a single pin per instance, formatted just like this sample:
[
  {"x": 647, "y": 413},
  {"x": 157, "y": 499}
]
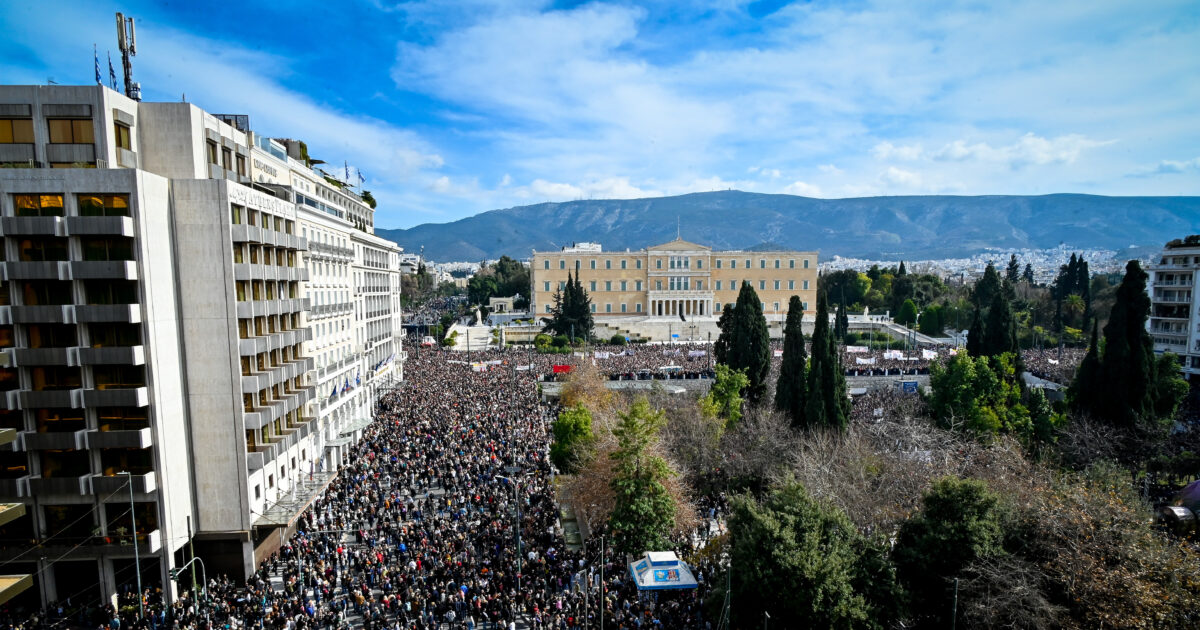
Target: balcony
[
  {"x": 38, "y": 270},
  {"x": 42, "y": 356},
  {"x": 40, "y": 486},
  {"x": 53, "y": 440},
  {"x": 117, "y": 397},
  {"x": 65, "y": 398},
  {"x": 15, "y": 488},
  {"x": 144, "y": 483},
  {"x": 108, "y": 313},
  {"x": 104, "y": 269},
  {"x": 33, "y": 226},
  {"x": 113, "y": 355},
  {"x": 100, "y": 226},
  {"x": 139, "y": 438},
  {"x": 71, "y": 153},
  {"x": 53, "y": 314}
]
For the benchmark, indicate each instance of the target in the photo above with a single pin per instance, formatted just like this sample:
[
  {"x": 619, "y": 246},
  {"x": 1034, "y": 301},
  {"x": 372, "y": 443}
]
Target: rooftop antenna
[
  {"x": 127, "y": 42},
  {"x": 677, "y": 229}
]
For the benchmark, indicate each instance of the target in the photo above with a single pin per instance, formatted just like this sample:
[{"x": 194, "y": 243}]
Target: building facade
[
  {"x": 161, "y": 345},
  {"x": 675, "y": 279},
  {"x": 1175, "y": 304}
]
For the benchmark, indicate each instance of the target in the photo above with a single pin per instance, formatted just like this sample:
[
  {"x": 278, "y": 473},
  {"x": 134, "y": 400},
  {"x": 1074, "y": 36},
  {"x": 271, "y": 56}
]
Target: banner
[
  {"x": 696, "y": 353},
  {"x": 862, "y": 361},
  {"x": 671, "y": 353},
  {"x": 562, "y": 369},
  {"x": 777, "y": 353},
  {"x": 908, "y": 387},
  {"x": 928, "y": 354},
  {"x": 856, "y": 349},
  {"x": 479, "y": 367},
  {"x": 1053, "y": 361},
  {"x": 893, "y": 354},
  {"x": 602, "y": 355}
]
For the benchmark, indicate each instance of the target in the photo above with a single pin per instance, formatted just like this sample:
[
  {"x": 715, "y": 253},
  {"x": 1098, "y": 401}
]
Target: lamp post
[
  {"x": 176, "y": 572},
  {"x": 137, "y": 561}
]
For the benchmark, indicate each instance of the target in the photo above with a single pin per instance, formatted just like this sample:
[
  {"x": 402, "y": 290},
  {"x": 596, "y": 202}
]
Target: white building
[
  {"x": 178, "y": 299},
  {"x": 1175, "y": 304}
]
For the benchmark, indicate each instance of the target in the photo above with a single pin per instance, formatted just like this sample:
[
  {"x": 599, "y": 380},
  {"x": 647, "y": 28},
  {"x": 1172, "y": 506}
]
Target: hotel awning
[{"x": 356, "y": 425}]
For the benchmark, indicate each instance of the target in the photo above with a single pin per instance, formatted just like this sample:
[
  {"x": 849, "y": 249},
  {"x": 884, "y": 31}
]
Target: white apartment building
[
  {"x": 1175, "y": 303},
  {"x": 157, "y": 318}
]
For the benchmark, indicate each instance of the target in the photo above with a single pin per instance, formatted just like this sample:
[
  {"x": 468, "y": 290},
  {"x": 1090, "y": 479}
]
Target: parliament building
[{"x": 674, "y": 280}]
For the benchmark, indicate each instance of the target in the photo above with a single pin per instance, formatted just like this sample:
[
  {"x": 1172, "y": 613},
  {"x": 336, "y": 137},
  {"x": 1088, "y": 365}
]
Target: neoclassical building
[{"x": 674, "y": 279}]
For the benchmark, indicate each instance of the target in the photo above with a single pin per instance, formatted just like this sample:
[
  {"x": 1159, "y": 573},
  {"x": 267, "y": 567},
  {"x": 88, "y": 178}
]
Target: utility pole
[{"x": 137, "y": 560}]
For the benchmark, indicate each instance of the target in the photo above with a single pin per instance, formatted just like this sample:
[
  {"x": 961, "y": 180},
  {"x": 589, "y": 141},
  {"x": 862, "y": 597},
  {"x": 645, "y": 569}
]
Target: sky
[{"x": 451, "y": 108}]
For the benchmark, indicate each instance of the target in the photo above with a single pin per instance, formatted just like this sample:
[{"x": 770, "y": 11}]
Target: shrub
[{"x": 617, "y": 340}]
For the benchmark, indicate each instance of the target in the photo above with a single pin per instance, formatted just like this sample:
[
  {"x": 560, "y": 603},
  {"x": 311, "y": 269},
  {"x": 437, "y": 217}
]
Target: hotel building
[
  {"x": 158, "y": 339},
  {"x": 1175, "y": 303},
  {"x": 674, "y": 279}
]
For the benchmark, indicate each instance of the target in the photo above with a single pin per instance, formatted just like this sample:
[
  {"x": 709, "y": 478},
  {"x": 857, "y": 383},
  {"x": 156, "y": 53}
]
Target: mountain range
[{"x": 913, "y": 227}]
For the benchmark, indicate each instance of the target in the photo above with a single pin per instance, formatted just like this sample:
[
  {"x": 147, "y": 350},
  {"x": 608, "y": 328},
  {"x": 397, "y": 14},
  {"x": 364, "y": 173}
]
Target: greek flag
[
  {"x": 112, "y": 74},
  {"x": 96, "y": 58}
]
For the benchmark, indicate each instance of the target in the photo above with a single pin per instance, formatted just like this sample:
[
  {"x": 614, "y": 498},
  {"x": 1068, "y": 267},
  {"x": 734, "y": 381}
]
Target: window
[
  {"x": 762, "y": 263},
  {"x": 592, "y": 286},
  {"x": 777, "y": 288},
  {"x": 593, "y": 307},
  {"x": 561, "y": 285},
  {"x": 241, "y": 165},
  {"x": 717, "y": 307},
  {"x": 718, "y": 263},
  {"x": 792, "y": 264},
  {"x": 804, "y": 305},
  {"x": 71, "y": 130},
  {"x": 806, "y": 285},
  {"x": 623, "y": 285},
  {"x": 38, "y": 205},
  {"x": 638, "y": 284},
  {"x": 733, "y": 285},
  {"x": 608, "y": 308},
  {"x": 747, "y": 263},
  {"x": 732, "y": 264},
  {"x": 718, "y": 285},
  {"x": 608, "y": 264},
  {"x": 112, "y": 248},
  {"x": 236, "y": 214},
  {"x": 639, "y": 263},
  {"x": 37, "y": 249},
  {"x": 212, "y": 152},
  {"x": 562, "y": 264},
  {"x": 547, "y": 308},
  {"x": 777, "y": 307},
  {"x": 19, "y": 130},
  {"x": 696, "y": 285},
  {"x": 791, "y": 285},
  {"x": 762, "y": 285},
  {"x": 547, "y": 264},
  {"x": 608, "y": 285},
  {"x": 637, "y": 308},
  {"x": 806, "y": 263},
  {"x": 593, "y": 264},
  {"x": 121, "y": 137},
  {"x": 103, "y": 205},
  {"x": 776, "y": 266},
  {"x": 658, "y": 263},
  {"x": 623, "y": 307},
  {"x": 658, "y": 285},
  {"x": 623, "y": 261}
]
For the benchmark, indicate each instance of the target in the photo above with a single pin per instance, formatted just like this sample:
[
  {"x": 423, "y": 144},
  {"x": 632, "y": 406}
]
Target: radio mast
[{"x": 127, "y": 42}]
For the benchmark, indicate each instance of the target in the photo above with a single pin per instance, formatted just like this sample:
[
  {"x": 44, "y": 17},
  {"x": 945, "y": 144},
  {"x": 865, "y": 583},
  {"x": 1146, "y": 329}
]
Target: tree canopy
[
  {"x": 572, "y": 310},
  {"x": 792, "y": 384},
  {"x": 744, "y": 342}
]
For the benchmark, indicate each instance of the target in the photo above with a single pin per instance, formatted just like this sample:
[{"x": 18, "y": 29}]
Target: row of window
[
  {"x": 260, "y": 219},
  {"x": 684, "y": 262},
  {"x": 681, "y": 284},
  {"x": 225, "y": 157},
  {"x": 624, "y": 308},
  {"x": 51, "y": 205},
  {"x": 61, "y": 130}
]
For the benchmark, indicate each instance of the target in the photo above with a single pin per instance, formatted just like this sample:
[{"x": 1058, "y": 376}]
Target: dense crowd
[{"x": 1053, "y": 364}]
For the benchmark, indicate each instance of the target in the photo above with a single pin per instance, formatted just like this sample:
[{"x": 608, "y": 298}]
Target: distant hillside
[{"x": 875, "y": 227}]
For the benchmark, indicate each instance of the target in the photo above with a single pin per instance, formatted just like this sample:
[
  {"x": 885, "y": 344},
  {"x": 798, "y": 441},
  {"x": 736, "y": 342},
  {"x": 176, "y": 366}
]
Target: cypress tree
[
  {"x": 827, "y": 404},
  {"x": 998, "y": 333},
  {"x": 745, "y": 342},
  {"x": 901, "y": 271},
  {"x": 975, "y": 335},
  {"x": 1027, "y": 275},
  {"x": 841, "y": 323},
  {"x": 1086, "y": 387},
  {"x": 791, "y": 386},
  {"x": 1127, "y": 367},
  {"x": 1013, "y": 272},
  {"x": 986, "y": 289}
]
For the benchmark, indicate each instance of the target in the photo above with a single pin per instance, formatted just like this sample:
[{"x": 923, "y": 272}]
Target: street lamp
[
  {"x": 137, "y": 561},
  {"x": 176, "y": 572}
]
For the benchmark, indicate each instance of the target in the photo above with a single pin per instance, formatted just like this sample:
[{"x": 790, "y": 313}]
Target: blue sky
[{"x": 453, "y": 108}]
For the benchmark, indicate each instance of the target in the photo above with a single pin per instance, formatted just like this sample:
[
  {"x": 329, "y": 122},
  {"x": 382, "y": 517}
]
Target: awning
[
  {"x": 285, "y": 512},
  {"x": 356, "y": 425},
  {"x": 661, "y": 570}
]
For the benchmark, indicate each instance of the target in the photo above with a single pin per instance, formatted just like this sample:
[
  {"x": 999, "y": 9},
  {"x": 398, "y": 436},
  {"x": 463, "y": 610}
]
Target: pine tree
[
  {"x": 975, "y": 335},
  {"x": 827, "y": 404},
  {"x": 791, "y": 386},
  {"x": 986, "y": 288},
  {"x": 901, "y": 271},
  {"x": 744, "y": 342},
  {"x": 1086, "y": 386},
  {"x": 1027, "y": 275}
]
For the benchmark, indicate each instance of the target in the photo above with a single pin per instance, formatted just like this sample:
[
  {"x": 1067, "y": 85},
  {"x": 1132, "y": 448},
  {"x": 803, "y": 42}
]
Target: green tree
[
  {"x": 724, "y": 398},
  {"x": 846, "y": 286},
  {"x": 744, "y": 343},
  {"x": 1012, "y": 274},
  {"x": 975, "y": 334},
  {"x": 804, "y": 562},
  {"x": 643, "y": 510},
  {"x": 841, "y": 322},
  {"x": 983, "y": 395},
  {"x": 826, "y": 403},
  {"x": 930, "y": 321},
  {"x": 572, "y": 311},
  {"x": 907, "y": 315},
  {"x": 986, "y": 289},
  {"x": 572, "y": 438},
  {"x": 999, "y": 334},
  {"x": 959, "y": 522},
  {"x": 1027, "y": 275},
  {"x": 1126, "y": 385},
  {"x": 792, "y": 383}
]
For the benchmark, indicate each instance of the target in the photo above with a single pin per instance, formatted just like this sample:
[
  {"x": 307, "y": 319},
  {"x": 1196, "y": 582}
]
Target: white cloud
[
  {"x": 1029, "y": 149},
  {"x": 829, "y": 169},
  {"x": 1168, "y": 167},
  {"x": 803, "y": 189},
  {"x": 887, "y": 150},
  {"x": 900, "y": 177}
]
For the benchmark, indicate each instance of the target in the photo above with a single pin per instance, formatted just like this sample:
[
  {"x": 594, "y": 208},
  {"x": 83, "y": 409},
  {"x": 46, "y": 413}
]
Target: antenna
[
  {"x": 677, "y": 229},
  {"x": 127, "y": 42}
]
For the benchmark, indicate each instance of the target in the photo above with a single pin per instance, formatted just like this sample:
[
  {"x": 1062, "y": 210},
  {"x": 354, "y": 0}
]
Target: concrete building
[
  {"x": 1175, "y": 304},
  {"x": 157, "y": 346},
  {"x": 674, "y": 280}
]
